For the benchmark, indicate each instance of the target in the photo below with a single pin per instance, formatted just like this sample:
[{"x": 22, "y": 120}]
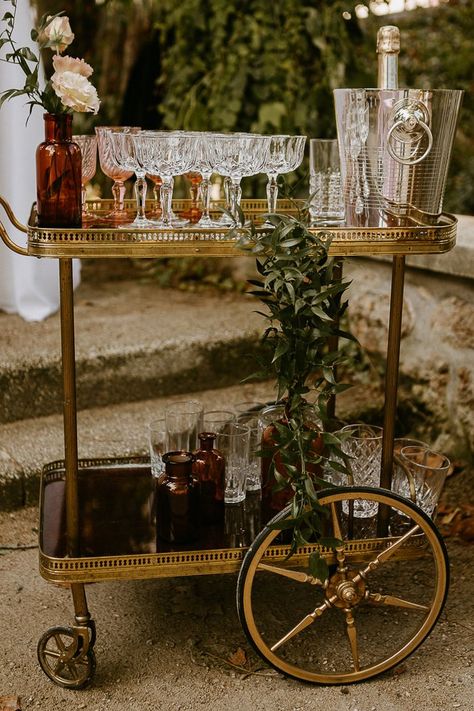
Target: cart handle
[{"x": 4, "y": 234}]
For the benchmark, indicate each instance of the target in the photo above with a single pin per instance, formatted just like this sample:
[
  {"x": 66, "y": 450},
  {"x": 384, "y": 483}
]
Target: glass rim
[
  {"x": 375, "y": 432},
  {"x": 153, "y": 423},
  {"x": 426, "y": 451}
]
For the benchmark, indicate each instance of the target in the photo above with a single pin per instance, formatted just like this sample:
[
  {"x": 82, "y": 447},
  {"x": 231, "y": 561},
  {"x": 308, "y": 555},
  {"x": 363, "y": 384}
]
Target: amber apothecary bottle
[
  {"x": 209, "y": 470},
  {"x": 177, "y": 500},
  {"x": 58, "y": 174}
]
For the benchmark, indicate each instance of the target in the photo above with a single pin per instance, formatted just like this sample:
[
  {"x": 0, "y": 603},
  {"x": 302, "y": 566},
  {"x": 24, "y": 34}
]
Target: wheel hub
[{"x": 348, "y": 592}]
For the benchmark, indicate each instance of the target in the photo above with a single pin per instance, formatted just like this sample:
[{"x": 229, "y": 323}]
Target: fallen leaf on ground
[
  {"x": 239, "y": 658},
  {"x": 457, "y": 521},
  {"x": 10, "y": 703}
]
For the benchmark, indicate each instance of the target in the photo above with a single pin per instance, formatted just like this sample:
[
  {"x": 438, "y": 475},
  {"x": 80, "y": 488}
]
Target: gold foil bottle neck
[{"x": 388, "y": 40}]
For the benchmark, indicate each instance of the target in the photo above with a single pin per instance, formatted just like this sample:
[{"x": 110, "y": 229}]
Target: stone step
[
  {"x": 120, "y": 430},
  {"x": 134, "y": 341},
  {"x": 112, "y": 431}
]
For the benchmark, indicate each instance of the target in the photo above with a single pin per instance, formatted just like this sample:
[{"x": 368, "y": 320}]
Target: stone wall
[{"x": 437, "y": 349}]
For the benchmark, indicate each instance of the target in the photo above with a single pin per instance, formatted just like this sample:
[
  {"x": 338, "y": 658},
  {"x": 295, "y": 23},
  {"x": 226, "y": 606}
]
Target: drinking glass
[
  {"x": 204, "y": 166},
  {"x": 88, "y": 146},
  {"x": 158, "y": 441},
  {"x": 155, "y": 214},
  {"x": 217, "y": 420},
  {"x": 237, "y": 156},
  {"x": 125, "y": 155},
  {"x": 193, "y": 214},
  {"x": 254, "y": 469},
  {"x": 110, "y": 168},
  {"x": 363, "y": 446},
  {"x": 248, "y": 410},
  {"x": 234, "y": 446},
  {"x": 326, "y": 205},
  {"x": 165, "y": 153},
  {"x": 283, "y": 155},
  {"x": 183, "y": 424},
  {"x": 421, "y": 472}
]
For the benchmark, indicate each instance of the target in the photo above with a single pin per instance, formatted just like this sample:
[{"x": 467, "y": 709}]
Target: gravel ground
[{"x": 165, "y": 644}]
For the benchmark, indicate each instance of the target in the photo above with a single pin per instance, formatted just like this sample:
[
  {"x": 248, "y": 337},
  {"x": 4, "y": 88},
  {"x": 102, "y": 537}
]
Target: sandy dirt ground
[{"x": 165, "y": 644}]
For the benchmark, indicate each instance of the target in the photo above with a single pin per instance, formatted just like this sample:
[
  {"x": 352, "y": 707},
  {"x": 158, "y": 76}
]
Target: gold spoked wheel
[
  {"x": 382, "y": 597},
  {"x": 63, "y": 660}
]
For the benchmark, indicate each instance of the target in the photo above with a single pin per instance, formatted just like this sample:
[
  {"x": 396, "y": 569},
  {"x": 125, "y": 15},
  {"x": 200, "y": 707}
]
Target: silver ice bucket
[{"x": 395, "y": 146}]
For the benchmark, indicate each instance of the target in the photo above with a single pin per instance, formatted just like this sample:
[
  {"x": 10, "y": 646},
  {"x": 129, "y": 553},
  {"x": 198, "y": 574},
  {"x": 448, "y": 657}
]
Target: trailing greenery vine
[{"x": 301, "y": 287}]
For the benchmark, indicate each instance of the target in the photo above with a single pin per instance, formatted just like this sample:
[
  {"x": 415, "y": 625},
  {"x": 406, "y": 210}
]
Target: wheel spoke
[
  {"x": 352, "y": 635},
  {"x": 336, "y": 526},
  {"x": 340, "y": 552},
  {"x": 386, "y": 554},
  {"x": 59, "y": 641},
  {"x": 52, "y": 653},
  {"x": 293, "y": 574},
  {"x": 305, "y": 622},
  {"x": 379, "y": 599},
  {"x": 72, "y": 670}
]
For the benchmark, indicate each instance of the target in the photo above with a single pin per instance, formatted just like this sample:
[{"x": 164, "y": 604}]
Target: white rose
[
  {"x": 57, "y": 33},
  {"x": 71, "y": 64},
  {"x": 75, "y": 91}
]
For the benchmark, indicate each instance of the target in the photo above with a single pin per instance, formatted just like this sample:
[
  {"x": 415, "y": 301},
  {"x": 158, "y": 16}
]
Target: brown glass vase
[
  {"x": 209, "y": 470},
  {"x": 58, "y": 175},
  {"x": 177, "y": 500},
  {"x": 274, "y": 500}
]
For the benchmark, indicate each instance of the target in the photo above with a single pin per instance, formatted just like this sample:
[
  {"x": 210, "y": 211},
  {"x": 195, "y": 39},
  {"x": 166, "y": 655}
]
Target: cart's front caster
[
  {"x": 380, "y": 601},
  {"x": 66, "y": 656}
]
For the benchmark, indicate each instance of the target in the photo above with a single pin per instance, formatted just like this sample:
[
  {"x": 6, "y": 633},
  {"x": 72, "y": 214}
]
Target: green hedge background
[{"x": 264, "y": 65}]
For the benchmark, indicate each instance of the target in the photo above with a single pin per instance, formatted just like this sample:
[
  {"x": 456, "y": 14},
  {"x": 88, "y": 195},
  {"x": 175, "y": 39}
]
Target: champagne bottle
[{"x": 388, "y": 48}]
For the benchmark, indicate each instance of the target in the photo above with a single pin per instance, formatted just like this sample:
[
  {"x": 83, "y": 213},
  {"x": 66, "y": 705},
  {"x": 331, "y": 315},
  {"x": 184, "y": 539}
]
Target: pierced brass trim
[
  {"x": 188, "y": 241},
  {"x": 196, "y": 562}
]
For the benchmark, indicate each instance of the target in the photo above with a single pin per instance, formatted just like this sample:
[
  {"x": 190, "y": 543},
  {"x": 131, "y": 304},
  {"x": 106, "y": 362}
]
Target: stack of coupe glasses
[{"x": 163, "y": 155}]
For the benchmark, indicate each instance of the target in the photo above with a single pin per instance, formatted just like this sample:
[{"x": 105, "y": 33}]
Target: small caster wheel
[
  {"x": 61, "y": 658},
  {"x": 381, "y": 598}
]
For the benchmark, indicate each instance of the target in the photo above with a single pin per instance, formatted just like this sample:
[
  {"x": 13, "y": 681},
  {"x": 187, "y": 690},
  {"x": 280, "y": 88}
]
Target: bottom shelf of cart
[{"x": 117, "y": 530}]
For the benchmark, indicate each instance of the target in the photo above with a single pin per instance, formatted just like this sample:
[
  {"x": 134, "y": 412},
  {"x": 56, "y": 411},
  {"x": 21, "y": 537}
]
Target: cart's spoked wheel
[
  {"x": 381, "y": 600},
  {"x": 63, "y": 660}
]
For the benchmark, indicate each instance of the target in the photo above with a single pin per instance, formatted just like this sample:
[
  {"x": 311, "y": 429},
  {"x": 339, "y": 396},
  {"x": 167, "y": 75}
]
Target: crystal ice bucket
[{"x": 395, "y": 146}]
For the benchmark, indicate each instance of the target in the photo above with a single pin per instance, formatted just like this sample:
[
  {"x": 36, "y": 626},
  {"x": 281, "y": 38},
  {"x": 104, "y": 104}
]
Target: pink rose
[
  {"x": 75, "y": 91},
  {"x": 71, "y": 64},
  {"x": 57, "y": 34}
]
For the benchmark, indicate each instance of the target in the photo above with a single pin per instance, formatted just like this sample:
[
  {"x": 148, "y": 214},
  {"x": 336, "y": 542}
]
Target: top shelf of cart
[{"x": 102, "y": 240}]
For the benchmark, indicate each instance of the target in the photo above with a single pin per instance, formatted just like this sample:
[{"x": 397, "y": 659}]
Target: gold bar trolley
[{"x": 387, "y": 585}]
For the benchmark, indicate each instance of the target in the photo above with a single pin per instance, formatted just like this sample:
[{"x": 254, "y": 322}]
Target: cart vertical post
[{"x": 391, "y": 383}]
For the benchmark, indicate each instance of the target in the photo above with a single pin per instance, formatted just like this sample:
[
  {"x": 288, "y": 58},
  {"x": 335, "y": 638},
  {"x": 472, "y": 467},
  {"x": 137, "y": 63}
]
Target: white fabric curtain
[{"x": 28, "y": 286}]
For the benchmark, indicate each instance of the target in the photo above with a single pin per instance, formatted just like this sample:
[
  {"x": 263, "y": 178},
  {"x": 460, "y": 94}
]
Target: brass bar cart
[{"x": 387, "y": 585}]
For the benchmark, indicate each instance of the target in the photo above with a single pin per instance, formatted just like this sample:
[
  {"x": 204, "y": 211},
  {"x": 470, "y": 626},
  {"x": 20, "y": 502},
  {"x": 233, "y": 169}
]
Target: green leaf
[
  {"x": 280, "y": 350},
  {"x": 329, "y": 542},
  {"x": 27, "y": 54},
  {"x": 318, "y": 567}
]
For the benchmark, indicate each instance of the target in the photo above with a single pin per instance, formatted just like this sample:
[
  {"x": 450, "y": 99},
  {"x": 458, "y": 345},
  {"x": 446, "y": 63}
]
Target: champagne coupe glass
[
  {"x": 165, "y": 153},
  {"x": 237, "y": 156},
  {"x": 204, "y": 166},
  {"x": 124, "y": 151},
  {"x": 283, "y": 155},
  {"x": 110, "y": 168},
  {"x": 88, "y": 146},
  {"x": 194, "y": 213},
  {"x": 157, "y": 181}
]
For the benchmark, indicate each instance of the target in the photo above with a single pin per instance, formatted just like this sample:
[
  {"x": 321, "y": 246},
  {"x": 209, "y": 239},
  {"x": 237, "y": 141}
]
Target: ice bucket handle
[{"x": 407, "y": 122}]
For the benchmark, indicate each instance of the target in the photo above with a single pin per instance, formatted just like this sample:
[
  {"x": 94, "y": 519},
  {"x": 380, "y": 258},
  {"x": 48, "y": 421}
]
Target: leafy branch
[{"x": 301, "y": 288}]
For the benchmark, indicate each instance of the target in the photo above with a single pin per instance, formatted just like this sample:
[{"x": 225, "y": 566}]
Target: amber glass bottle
[
  {"x": 58, "y": 174},
  {"x": 209, "y": 470},
  {"x": 177, "y": 500}
]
